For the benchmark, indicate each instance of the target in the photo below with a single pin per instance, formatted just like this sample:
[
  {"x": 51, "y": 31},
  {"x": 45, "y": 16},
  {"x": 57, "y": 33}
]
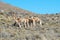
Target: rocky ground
[{"x": 50, "y": 29}]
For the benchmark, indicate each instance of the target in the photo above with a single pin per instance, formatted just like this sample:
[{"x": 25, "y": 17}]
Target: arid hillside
[
  {"x": 8, "y": 7},
  {"x": 10, "y": 30}
]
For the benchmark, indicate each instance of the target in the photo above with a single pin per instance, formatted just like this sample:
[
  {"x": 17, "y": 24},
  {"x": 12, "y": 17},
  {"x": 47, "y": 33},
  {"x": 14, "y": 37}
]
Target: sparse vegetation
[{"x": 50, "y": 29}]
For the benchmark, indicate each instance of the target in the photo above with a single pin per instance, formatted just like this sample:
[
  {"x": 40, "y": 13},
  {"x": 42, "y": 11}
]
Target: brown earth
[{"x": 50, "y": 29}]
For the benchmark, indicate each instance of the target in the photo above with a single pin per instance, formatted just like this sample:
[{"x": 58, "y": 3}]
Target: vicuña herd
[{"x": 28, "y": 21}]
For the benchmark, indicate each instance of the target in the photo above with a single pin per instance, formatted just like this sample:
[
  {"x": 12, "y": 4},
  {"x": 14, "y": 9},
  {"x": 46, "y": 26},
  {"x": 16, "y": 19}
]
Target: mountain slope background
[{"x": 50, "y": 29}]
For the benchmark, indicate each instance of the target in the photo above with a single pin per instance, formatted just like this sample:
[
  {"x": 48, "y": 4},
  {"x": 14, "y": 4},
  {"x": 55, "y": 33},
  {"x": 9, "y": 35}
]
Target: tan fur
[
  {"x": 35, "y": 20},
  {"x": 17, "y": 20},
  {"x": 20, "y": 20},
  {"x": 38, "y": 20},
  {"x": 25, "y": 20},
  {"x": 32, "y": 18}
]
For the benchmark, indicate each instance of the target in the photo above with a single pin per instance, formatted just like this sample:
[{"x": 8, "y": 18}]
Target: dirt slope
[{"x": 50, "y": 29}]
